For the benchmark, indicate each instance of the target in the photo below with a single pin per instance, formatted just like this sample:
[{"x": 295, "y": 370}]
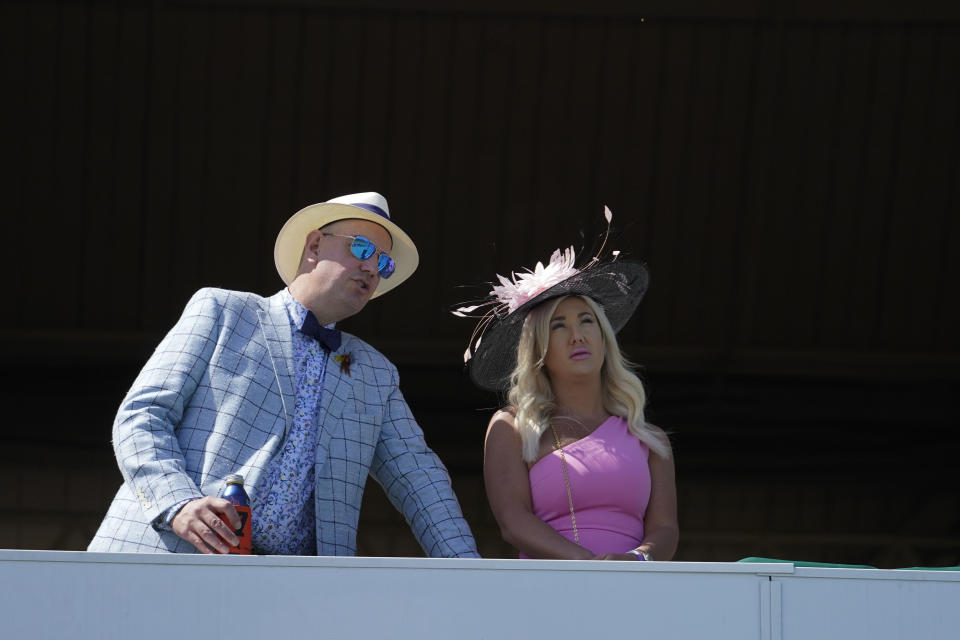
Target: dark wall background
[{"x": 789, "y": 173}]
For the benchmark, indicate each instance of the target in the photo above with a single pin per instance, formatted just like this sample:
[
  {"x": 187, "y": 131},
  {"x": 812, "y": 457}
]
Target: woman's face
[{"x": 575, "y": 346}]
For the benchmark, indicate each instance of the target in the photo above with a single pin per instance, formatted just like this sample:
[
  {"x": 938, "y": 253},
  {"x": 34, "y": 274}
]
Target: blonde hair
[{"x": 531, "y": 393}]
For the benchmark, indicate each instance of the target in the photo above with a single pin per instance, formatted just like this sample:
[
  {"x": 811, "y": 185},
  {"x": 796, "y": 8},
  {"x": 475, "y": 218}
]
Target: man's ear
[
  {"x": 314, "y": 238},
  {"x": 309, "y": 257}
]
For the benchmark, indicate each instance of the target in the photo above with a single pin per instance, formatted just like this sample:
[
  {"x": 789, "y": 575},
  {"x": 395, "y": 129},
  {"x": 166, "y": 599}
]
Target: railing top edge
[{"x": 473, "y": 564}]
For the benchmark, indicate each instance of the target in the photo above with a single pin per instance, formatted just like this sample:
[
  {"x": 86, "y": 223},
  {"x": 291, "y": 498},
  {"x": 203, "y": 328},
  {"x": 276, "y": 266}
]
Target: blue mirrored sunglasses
[{"x": 362, "y": 248}]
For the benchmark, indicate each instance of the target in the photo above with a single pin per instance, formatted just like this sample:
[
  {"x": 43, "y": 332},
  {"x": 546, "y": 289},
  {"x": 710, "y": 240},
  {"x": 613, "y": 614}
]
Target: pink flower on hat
[{"x": 525, "y": 286}]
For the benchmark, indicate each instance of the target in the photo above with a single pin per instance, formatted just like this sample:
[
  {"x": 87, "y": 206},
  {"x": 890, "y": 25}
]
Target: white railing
[{"x": 67, "y": 594}]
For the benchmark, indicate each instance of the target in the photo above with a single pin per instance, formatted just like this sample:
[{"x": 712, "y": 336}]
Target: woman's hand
[{"x": 617, "y": 556}]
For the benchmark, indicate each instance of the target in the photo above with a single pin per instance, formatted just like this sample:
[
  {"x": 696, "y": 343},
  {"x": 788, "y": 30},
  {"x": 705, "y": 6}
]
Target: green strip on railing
[{"x": 806, "y": 563}]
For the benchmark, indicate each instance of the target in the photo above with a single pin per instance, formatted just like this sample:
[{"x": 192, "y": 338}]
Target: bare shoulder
[
  {"x": 503, "y": 424},
  {"x": 662, "y": 435},
  {"x": 507, "y": 414}
]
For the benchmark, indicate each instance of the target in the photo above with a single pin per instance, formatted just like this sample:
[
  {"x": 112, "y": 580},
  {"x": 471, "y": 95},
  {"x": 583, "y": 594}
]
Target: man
[{"x": 264, "y": 387}]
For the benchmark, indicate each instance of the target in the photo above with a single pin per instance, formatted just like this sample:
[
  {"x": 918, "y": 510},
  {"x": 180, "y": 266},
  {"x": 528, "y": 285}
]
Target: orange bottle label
[{"x": 245, "y": 546}]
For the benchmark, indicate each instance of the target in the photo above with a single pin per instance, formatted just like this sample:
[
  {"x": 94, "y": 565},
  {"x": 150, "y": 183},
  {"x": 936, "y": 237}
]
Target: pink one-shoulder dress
[{"x": 609, "y": 483}]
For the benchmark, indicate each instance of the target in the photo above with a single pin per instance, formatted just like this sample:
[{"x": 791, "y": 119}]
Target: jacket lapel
[
  {"x": 279, "y": 337},
  {"x": 336, "y": 390}
]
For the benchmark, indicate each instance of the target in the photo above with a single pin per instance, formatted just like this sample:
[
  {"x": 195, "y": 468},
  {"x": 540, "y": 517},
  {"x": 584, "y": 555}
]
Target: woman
[{"x": 571, "y": 468}]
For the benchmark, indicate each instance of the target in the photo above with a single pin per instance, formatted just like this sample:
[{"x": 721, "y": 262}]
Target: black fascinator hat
[{"x": 616, "y": 285}]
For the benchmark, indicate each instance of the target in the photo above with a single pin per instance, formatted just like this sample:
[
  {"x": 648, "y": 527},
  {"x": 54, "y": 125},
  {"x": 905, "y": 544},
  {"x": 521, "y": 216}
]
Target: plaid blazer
[{"x": 217, "y": 396}]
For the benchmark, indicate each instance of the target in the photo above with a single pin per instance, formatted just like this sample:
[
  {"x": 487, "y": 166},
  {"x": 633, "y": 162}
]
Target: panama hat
[{"x": 288, "y": 250}]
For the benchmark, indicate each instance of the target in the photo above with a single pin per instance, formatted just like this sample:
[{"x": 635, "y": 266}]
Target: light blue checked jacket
[{"x": 216, "y": 398}]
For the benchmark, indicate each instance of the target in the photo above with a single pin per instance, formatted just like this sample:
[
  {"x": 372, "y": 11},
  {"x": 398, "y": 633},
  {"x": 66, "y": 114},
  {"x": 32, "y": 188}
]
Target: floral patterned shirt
[{"x": 284, "y": 521}]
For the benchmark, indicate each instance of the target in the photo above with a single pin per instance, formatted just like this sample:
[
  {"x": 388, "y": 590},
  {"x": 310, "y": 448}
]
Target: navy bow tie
[{"x": 329, "y": 338}]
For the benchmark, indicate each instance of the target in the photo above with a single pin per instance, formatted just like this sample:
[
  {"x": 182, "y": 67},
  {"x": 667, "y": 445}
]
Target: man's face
[{"x": 341, "y": 284}]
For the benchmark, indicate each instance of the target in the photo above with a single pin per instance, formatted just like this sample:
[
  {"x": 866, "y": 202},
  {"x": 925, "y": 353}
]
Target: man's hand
[{"x": 199, "y": 523}]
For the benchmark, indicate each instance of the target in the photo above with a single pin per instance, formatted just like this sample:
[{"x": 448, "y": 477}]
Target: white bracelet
[{"x": 641, "y": 554}]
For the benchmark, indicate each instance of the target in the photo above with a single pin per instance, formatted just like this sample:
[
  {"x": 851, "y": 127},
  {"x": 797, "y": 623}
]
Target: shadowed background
[{"x": 789, "y": 174}]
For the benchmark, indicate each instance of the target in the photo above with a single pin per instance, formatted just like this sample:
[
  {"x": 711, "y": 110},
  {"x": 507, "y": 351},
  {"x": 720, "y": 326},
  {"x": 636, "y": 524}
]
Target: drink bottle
[{"x": 237, "y": 495}]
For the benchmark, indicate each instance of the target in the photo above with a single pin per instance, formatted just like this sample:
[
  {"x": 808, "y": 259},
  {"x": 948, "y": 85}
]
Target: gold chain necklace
[{"x": 566, "y": 479}]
